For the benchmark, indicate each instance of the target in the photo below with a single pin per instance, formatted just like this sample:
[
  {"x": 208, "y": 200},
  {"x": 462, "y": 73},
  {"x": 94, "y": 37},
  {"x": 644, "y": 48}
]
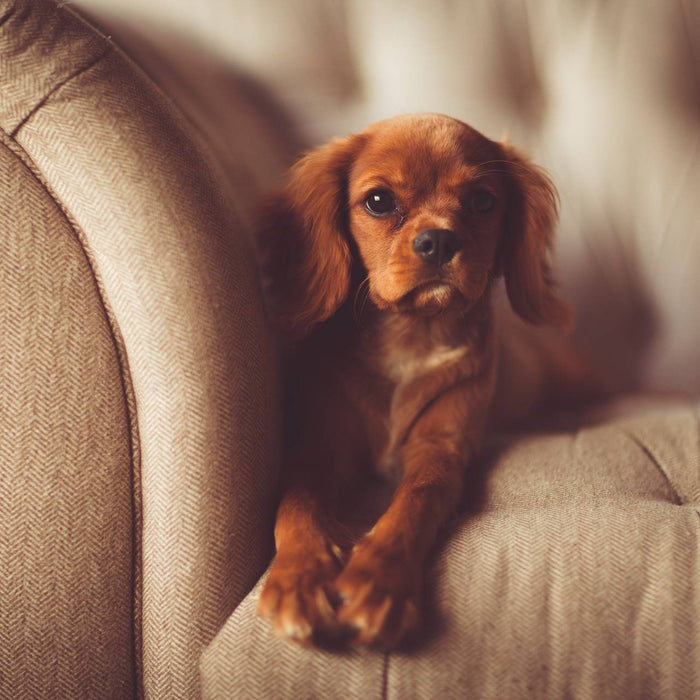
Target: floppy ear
[
  {"x": 302, "y": 240},
  {"x": 527, "y": 245}
]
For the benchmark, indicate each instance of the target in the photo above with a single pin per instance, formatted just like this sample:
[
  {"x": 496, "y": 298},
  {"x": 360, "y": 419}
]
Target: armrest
[{"x": 174, "y": 272}]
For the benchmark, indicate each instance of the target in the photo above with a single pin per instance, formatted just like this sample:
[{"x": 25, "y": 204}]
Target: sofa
[{"x": 140, "y": 418}]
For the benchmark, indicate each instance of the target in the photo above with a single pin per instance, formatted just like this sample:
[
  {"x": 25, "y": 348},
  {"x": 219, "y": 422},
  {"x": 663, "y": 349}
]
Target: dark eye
[
  {"x": 482, "y": 201},
  {"x": 380, "y": 203}
]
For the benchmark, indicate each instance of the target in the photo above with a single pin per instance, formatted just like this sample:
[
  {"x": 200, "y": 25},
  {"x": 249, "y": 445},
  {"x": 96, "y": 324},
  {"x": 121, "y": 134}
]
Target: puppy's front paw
[
  {"x": 380, "y": 593},
  {"x": 297, "y": 595}
]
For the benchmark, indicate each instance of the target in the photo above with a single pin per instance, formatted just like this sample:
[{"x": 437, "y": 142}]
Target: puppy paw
[
  {"x": 379, "y": 592},
  {"x": 298, "y": 595}
]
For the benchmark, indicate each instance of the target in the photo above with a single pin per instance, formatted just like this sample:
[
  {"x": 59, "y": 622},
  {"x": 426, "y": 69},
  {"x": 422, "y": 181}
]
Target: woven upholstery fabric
[
  {"x": 66, "y": 527},
  {"x": 176, "y": 277},
  {"x": 237, "y": 119},
  {"x": 34, "y": 58},
  {"x": 575, "y": 573}
]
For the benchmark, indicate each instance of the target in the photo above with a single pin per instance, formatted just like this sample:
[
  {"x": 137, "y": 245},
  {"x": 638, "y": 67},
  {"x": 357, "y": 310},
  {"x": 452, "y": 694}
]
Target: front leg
[
  {"x": 319, "y": 471},
  {"x": 381, "y": 584},
  {"x": 298, "y": 593}
]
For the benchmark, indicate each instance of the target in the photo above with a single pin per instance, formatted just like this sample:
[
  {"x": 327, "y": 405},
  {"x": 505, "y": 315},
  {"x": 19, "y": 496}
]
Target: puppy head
[{"x": 435, "y": 210}]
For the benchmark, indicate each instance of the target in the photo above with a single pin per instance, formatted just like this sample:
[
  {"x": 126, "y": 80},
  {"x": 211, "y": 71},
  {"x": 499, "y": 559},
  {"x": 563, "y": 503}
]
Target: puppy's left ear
[{"x": 527, "y": 245}]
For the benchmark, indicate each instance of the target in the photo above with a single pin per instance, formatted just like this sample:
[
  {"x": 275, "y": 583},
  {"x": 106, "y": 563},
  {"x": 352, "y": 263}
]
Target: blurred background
[{"x": 605, "y": 95}]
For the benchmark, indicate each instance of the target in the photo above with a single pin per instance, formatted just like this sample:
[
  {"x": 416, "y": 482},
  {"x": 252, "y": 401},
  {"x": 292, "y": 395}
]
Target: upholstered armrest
[{"x": 138, "y": 434}]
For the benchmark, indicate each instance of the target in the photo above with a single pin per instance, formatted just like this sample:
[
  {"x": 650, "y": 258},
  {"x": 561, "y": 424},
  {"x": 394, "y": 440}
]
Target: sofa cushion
[{"x": 576, "y": 568}]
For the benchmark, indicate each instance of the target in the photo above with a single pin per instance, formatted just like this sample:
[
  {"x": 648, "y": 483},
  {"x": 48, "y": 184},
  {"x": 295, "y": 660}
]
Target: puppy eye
[
  {"x": 482, "y": 201},
  {"x": 380, "y": 202}
]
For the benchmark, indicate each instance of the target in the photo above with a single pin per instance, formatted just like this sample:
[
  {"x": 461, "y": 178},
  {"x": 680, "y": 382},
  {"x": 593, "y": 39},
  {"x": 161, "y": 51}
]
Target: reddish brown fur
[{"x": 395, "y": 362}]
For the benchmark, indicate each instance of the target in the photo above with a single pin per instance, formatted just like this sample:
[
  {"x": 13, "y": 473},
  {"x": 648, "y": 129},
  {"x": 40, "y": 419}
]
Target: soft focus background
[{"x": 605, "y": 95}]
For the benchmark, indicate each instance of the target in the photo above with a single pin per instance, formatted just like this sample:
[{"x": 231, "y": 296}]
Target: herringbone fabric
[
  {"x": 192, "y": 326},
  {"x": 175, "y": 270},
  {"x": 66, "y": 526},
  {"x": 34, "y": 57},
  {"x": 577, "y": 575}
]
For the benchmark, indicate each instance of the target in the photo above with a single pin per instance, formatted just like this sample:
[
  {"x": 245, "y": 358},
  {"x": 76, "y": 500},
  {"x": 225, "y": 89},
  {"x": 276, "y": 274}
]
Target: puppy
[{"x": 380, "y": 257}]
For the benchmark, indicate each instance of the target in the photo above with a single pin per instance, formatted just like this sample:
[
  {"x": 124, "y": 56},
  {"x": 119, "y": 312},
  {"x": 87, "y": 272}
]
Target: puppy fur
[{"x": 394, "y": 353}]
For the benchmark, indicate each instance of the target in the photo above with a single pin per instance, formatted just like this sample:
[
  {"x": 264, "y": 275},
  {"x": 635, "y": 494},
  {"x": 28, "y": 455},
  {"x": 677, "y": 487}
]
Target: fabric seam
[
  {"x": 55, "y": 89},
  {"x": 8, "y": 15},
  {"x": 649, "y": 453},
  {"x": 128, "y": 396},
  {"x": 385, "y": 676}
]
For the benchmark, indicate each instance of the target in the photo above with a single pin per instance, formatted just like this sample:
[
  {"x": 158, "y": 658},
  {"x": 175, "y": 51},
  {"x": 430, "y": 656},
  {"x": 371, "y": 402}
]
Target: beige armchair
[
  {"x": 137, "y": 457},
  {"x": 139, "y": 421}
]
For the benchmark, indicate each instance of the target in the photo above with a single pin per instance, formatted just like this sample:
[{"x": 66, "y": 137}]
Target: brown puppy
[{"x": 381, "y": 255}]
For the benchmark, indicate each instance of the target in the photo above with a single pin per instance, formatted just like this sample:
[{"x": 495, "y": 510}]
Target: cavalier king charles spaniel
[{"x": 380, "y": 257}]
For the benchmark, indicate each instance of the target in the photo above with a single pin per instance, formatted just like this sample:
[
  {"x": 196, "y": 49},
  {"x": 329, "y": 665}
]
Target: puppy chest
[
  {"x": 410, "y": 376},
  {"x": 402, "y": 365}
]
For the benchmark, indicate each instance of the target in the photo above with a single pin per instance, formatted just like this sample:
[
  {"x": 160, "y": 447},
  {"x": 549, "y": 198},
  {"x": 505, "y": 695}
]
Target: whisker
[
  {"x": 364, "y": 303},
  {"x": 503, "y": 161},
  {"x": 363, "y": 285},
  {"x": 484, "y": 173},
  {"x": 508, "y": 163}
]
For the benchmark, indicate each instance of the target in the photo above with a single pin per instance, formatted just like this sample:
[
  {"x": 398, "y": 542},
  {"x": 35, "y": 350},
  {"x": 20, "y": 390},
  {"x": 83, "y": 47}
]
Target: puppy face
[
  {"x": 426, "y": 202},
  {"x": 432, "y": 210}
]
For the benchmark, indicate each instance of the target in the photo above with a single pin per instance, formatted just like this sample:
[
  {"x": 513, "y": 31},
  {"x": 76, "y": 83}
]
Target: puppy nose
[{"x": 436, "y": 246}]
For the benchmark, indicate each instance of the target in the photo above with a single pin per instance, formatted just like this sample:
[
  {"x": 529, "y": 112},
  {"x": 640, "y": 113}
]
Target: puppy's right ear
[
  {"x": 526, "y": 250},
  {"x": 302, "y": 239}
]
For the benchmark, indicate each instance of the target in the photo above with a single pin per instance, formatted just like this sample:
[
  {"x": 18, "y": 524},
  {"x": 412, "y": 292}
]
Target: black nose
[{"x": 436, "y": 246}]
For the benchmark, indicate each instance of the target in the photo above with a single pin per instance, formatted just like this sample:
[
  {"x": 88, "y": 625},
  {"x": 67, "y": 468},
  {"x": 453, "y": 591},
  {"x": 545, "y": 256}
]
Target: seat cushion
[{"x": 576, "y": 566}]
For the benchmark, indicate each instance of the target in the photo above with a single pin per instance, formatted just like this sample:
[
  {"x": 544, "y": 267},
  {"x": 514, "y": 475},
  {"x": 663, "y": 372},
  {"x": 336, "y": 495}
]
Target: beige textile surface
[
  {"x": 174, "y": 272},
  {"x": 66, "y": 526},
  {"x": 577, "y": 574}
]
